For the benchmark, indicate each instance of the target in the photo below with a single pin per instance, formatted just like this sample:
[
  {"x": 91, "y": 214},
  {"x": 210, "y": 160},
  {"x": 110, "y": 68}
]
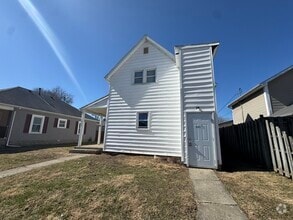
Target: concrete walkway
[
  {"x": 23, "y": 169},
  {"x": 213, "y": 200}
]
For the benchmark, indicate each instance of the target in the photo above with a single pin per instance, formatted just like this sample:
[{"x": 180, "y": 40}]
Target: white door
[{"x": 200, "y": 140}]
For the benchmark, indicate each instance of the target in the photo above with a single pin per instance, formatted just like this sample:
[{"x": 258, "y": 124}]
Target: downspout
[{"x": 183, "y": 146}]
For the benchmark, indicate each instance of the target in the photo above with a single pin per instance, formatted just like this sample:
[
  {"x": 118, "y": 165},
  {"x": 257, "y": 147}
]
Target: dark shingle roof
[{"x": 19, "y": 96}]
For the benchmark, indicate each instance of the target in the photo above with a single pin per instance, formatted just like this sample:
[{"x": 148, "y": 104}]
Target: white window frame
[
  {"x": 78, "y": 127},
  {"x": 146, "y": 75},
  {"x": 65, "y": 124},
  {"x": 142, "y": 77},
  {"x": 137, "y": 120},
  {"x": 41, "y": 127}
]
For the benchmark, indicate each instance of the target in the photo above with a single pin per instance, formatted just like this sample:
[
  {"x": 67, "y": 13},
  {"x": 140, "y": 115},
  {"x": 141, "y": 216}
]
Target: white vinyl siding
[
  {"x": 197, "y": 83},
  {"x": 161, "y": 99}
]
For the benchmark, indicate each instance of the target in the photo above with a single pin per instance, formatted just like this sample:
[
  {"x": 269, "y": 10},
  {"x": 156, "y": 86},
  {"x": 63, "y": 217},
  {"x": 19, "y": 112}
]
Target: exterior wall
[
  {"x": 250, "y": 108},
  {"x": 53, "y": 134},
  {"x": 160, "y": 99},
  {"x": 198, "y": 86},
  {"x": 281, "y": 91}
]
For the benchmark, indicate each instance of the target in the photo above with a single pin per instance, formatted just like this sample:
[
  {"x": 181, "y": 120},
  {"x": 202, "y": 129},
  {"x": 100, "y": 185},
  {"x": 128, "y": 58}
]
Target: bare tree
[{"x": 58, "y": 93}]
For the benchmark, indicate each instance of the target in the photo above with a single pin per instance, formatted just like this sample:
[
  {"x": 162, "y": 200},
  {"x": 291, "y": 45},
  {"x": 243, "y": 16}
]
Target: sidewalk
[
  {"x": 23, "y": 169},
  {"x": 213, "y": 201}
]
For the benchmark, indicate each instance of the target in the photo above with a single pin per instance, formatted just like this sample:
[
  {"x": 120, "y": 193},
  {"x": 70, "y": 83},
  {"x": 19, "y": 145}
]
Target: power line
[{"x": 238, "y": 93}]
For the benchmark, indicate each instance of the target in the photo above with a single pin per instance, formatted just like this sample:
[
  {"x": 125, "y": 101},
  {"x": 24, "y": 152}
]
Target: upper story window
[
  {"x": 37, "y": 123},
  {"x": 145, "y": 76},
  {"x": 145, "y": 50},
  {"x": 143, "y": 120},
  {"x": 62, "y": 123},
  {"x": 151, "y": 76},
  {"x": 138, "y": 77}
]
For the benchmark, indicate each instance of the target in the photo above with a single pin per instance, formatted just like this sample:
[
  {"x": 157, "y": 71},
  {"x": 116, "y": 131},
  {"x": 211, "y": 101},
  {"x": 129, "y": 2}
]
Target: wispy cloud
[{"x": 51, "y": 38}]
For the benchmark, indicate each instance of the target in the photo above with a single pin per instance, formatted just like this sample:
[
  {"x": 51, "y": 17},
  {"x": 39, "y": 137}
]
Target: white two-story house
[{"x": 162, "y": 104}]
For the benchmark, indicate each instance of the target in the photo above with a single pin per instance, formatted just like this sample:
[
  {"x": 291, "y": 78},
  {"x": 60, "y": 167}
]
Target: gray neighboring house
[
  {"x": 272, "y": 97},
  {"x": 29, "y": 118}
]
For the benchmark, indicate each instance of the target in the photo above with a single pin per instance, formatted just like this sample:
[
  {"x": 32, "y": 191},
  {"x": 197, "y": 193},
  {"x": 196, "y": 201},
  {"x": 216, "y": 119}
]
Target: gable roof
[
  {"x": 259, "y": 86},
  {"x": 134, "y": 49},
  {"x": 26, "y": 98}
]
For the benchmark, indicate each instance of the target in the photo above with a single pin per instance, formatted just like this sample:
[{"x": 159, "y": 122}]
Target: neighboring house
[
  {"x": 32, "y": 118},
  {"x": 163, "y": 104},
  {"x": 272, "y": 97}
]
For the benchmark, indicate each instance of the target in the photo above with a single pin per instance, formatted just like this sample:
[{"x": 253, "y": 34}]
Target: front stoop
[{"x": 86, "y": 150}]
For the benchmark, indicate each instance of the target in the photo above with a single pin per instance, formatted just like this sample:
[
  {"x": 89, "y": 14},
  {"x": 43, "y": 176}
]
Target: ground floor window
[
  {"x": 143, "y": 120},
  {"x": 62, "y": 123},
  {"x": 37, "y": 123}
]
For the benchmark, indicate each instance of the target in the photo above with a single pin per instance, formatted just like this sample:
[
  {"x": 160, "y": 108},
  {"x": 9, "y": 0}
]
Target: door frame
[{"x": 214, "y": 138}]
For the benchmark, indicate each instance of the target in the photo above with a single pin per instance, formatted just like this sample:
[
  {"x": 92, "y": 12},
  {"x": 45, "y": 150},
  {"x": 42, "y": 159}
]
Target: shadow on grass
[{"x": 238, "y": 165}]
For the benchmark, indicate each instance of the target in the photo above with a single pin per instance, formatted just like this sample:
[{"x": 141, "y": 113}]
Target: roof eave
[
  {"x": 132, "y": 51},
  {"x": 245, "y": 95}
]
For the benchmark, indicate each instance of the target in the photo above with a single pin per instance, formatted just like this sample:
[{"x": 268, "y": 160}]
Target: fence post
[
  {"x": 284, "y": 159},
  {"x": 264, "y": 143},
  {"x": 271, "y": 146},
  {"x": 289, "y": 153},
  {"x": 276, "y": 148}
]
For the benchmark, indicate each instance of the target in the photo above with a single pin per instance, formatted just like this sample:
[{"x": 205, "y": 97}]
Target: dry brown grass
[
  {"x": 259, "y": 193},
  {"x": 9, "y": 160},
  {"x": 100, "y": 187}
]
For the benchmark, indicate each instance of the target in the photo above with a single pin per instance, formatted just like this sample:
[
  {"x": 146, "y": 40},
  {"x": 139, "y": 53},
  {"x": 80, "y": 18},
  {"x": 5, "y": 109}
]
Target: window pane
[
  {"x": 36, "y": 128},
  {"x": 138, "y": 74},
  {"x": 143, "y": 124},
  {"x": 138, "y": 80},
  {"x": 143, "y": 116},
  {"x": 151, "y": 76},
  {"x": 37, "y": 121},
  {"x": 151, "y": 72}
]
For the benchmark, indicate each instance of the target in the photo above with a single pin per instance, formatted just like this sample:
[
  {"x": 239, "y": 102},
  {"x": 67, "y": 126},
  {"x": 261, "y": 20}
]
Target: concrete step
[{"x": 86, "y": 150}]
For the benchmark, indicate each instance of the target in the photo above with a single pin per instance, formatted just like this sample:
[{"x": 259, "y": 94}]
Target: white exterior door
[{"x": 200, "y": 140}]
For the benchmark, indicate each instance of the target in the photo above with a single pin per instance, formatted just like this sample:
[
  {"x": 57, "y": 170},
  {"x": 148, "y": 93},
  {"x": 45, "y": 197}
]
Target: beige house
[{"x": 273, "y": 97}]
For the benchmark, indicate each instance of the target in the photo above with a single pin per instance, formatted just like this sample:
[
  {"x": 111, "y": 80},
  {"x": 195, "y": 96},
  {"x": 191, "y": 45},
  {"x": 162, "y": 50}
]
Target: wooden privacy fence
[
  {"x": 265, "y": 142},
  {"x": 281, "y": 146}
]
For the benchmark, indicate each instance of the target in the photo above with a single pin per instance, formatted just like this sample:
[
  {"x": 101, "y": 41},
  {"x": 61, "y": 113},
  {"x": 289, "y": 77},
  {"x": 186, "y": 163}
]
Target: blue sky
[{"x": 256, "y": 40}]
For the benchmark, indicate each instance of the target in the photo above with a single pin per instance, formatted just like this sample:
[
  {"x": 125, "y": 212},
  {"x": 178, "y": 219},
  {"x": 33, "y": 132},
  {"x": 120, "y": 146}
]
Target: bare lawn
[
  {"x": 100, "y": 187},
  {"x": 16, "y": 157},
  {"x": 259, "y": 193}
]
